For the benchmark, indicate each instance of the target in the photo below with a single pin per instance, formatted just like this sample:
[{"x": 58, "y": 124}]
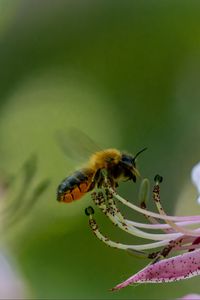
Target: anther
[
  {"x": 158, "y": 179},
  {"x": 154, "y": 255},
  {"x": 99, "y": 199},
  {"x": 138, "y": 254},
  {"x": 108, "y": 193},
  {"x": 93, "y": 196},
  {"x": 89, "y": 211},
  {"x": 143, "y": 205}
]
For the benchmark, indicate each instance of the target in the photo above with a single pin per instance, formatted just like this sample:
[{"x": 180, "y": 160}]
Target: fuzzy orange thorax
[{"x": 102, "y": 159}]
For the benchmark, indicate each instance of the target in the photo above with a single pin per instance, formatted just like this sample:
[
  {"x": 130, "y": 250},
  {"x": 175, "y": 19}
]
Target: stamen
[
  {"x": 187, "y": 247},
  {"x": 147, "y": 212},
  {"x": 160, "y": 226},
  {"x": 175, "y": 238},
  {"x": 152, "y": 214},
  {"x": 188, "y": 243},
  {"x": 112, "y": 213},
  {"x": 174, "y": 245},
  {"x": 133, "y": 223},
  {"x": 143, "y": 197},
  {"x": 156, "y": 198},
  {"x": 93, "y": 225}
]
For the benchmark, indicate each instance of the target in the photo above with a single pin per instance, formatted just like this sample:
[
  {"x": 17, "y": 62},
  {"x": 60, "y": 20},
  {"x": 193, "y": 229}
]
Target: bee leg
[
  {"x": 132, "y": 177},
  {"x": 103, "y": 179},
  {"x": 98, "y": 178},
  {"x": 94, "y": 181},
  {"x": 92, "y": 185},
  {"x": 111, "y": 182}
]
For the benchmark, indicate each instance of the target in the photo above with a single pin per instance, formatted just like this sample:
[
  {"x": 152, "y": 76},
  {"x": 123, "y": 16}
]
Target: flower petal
[
  {"x": 195, "y": 176},
  {"x": 191, "y": 297},
  {"x": 172, "y": 269}
]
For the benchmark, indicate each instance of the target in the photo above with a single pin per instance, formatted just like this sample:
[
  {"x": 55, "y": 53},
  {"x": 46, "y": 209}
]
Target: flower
[
  {"x": 195, "y": 176},
  {"x": 12, "y": 211},
  {"x": 191, "y": 297},
  {"x": 175, "y": 236},
  {"x": 12, "y": 285}
]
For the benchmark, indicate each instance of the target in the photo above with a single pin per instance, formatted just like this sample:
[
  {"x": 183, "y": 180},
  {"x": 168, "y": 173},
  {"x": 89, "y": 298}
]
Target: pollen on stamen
[
  {"x": 89, "y": 211},
  {"x": 174, "y": 237}
]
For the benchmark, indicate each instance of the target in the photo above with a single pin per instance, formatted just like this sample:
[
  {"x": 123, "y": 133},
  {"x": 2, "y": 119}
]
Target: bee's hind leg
[
  {"x": 103, "y": 180},
  {"x": 98, "y": 178},
  {"x": 109, "y": 182}
]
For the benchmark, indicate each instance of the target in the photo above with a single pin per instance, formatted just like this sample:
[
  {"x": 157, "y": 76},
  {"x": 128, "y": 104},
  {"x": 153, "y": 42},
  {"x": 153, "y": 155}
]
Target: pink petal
[
  {"x": 191, "y": 297},
  {"x": 172, "y": 269}
]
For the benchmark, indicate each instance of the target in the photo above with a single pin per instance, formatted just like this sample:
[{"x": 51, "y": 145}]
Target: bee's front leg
[{"x": 99, "y": 178}]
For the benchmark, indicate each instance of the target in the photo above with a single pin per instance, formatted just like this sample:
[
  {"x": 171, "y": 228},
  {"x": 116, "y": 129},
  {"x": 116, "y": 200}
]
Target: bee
[{"x": 118, "y": 166}]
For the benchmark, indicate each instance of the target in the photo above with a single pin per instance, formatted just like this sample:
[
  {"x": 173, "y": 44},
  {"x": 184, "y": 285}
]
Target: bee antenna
[{"x": 140, "y": 152}]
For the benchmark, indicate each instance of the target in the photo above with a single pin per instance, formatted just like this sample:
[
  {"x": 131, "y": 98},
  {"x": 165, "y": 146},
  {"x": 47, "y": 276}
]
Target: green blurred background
[{"x": 126, "y": 73}]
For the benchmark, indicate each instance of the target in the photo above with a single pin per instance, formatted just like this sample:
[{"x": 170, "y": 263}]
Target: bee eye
[{"x": 128, "y": 160}]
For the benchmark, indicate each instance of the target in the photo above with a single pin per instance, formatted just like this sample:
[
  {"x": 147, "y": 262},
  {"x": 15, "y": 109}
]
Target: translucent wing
[{"x": 76, "y": 144}]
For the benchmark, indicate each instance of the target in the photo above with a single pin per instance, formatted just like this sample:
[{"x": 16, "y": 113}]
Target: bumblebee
[{"x": 118, "y": 166}]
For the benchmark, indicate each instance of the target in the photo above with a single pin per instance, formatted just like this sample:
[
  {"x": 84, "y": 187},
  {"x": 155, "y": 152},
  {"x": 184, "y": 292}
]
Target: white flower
[{"x": 195, "y": 176}]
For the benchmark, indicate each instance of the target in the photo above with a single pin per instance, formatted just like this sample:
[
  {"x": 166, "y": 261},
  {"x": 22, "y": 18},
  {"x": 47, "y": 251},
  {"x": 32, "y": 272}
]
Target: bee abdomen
[{"x": 73, "y": 187}]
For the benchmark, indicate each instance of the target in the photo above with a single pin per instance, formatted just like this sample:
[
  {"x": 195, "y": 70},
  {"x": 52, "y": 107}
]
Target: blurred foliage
[
  {"x": 16, "y": 208},
  {"x": 127, "y": 74}
]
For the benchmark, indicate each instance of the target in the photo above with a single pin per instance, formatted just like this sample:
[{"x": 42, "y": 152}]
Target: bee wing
[{"x": 76, "y": 144}]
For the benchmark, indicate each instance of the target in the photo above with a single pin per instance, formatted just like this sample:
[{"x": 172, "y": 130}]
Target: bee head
[{"x": 129, "y": 162}]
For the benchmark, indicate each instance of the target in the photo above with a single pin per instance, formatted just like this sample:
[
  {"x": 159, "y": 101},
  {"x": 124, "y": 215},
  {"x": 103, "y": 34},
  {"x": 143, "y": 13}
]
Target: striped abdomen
[{"x": 75, "y": 186}]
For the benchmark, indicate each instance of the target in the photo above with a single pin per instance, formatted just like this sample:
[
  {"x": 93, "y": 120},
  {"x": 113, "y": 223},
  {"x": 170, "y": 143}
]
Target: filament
[
  {"x": 158, "y": 225},
  {"x": 156, "y": 197},
  {"x": 175, "y": 236},
  {"x": 107, "y": 241},
  {"x": 112, "y": 214},
  {"x": 152, "y": 214}
]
